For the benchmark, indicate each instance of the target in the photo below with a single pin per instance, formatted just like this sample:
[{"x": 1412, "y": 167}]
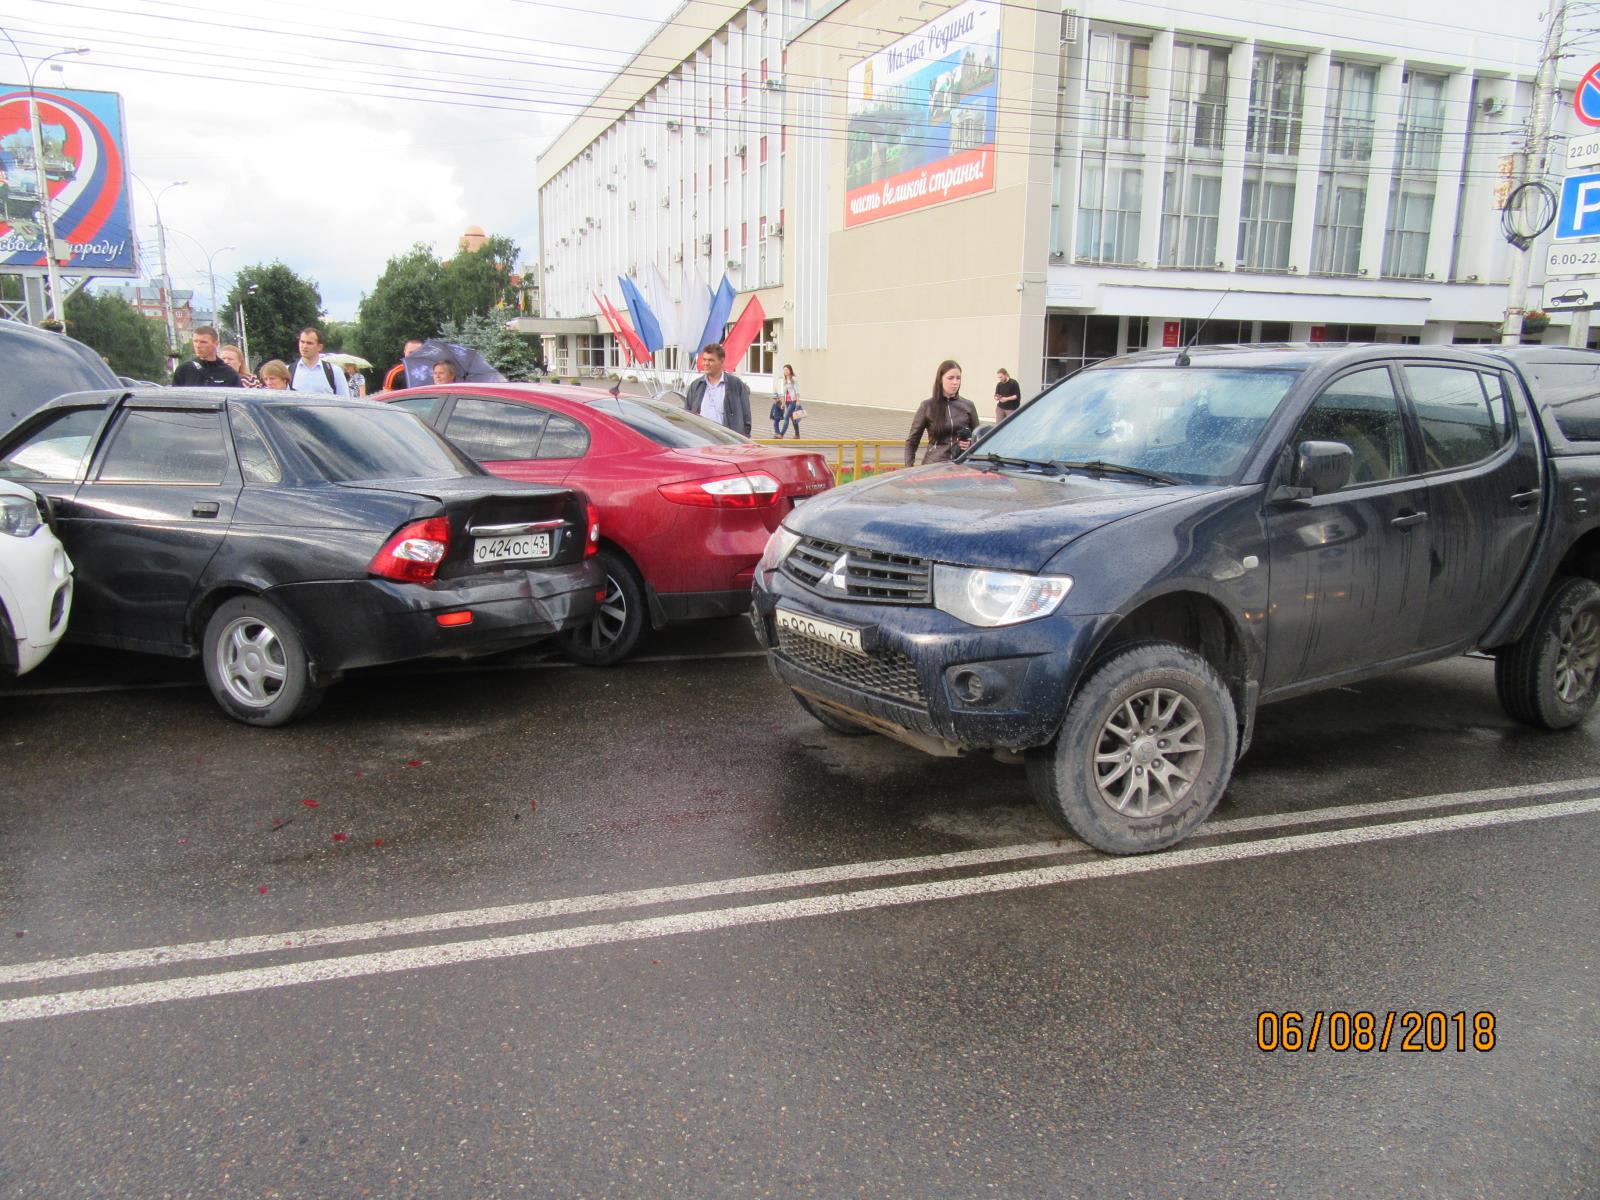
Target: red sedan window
[
  {"x": 492, "y": 431},
  {"x": 563, "y": 438}
]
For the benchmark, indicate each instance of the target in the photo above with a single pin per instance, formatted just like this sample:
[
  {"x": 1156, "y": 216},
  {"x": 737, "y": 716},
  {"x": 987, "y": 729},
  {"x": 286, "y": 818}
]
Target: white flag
[
  {"x": 659, "y": 294},
  {"x": 692, "y": 315}
]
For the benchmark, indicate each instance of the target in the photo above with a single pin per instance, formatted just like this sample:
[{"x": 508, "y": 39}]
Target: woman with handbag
[
  {"x": 792, "y": 412},
  {"x": 946, "y": 416}
]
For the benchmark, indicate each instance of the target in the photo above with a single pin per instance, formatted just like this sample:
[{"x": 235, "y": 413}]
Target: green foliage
[
  {"x": 512, "y": 354},
  {"x": 113, "y": 327},
  {"x": 407, "y": 301},
  {"x": 476, "y": 282},
  {"x": 282, "y": 305},
  {"x": 339, "y": 336}
]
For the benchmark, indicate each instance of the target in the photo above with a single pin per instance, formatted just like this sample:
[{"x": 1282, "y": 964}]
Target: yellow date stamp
[{"x": 1289, "y": 1031}]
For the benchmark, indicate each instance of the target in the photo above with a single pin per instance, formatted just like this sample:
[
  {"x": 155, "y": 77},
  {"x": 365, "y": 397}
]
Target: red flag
[
  {"x": 641, "y": 352},
  {"x": 744, "y": 332},
  {"x": 605, "y": 311}
]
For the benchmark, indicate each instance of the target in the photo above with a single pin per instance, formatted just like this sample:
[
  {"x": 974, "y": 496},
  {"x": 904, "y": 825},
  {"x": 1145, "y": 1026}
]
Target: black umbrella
[{"x": 471, "y": 367}]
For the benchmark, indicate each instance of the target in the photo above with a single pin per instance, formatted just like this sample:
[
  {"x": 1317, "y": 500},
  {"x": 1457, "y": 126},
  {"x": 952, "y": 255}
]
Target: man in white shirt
[
  {"x": 718, "y": 396},
  {"x": 312, "y": 372}
]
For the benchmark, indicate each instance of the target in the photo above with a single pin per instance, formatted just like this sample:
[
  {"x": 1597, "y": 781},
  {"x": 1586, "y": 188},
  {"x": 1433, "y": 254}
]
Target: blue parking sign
[{"x": 1579, "y": 214}]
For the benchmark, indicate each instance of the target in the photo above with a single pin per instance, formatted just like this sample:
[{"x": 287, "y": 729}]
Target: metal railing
[{"x": 852, "y": 458}]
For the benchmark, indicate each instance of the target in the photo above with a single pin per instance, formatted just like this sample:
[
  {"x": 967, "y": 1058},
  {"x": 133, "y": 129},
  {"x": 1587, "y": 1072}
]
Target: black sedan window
[
  {"x": 156, "y": 446},
  {"x": 56, "y": 449},
  {"x": 367, "y": 443},
  {"x": 665, "y": 424}
]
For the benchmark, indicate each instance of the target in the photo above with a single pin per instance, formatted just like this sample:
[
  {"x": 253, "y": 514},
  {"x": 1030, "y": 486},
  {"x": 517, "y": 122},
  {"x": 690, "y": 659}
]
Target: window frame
[
  {"x": 1403, "y": 412},
  {"x": 1507, "y": 447},
  {"x": 108, "y": 443}
]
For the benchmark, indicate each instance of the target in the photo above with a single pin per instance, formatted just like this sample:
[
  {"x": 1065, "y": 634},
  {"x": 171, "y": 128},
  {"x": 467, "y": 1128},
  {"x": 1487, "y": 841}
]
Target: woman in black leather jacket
[{"x": 946, "y": 416}]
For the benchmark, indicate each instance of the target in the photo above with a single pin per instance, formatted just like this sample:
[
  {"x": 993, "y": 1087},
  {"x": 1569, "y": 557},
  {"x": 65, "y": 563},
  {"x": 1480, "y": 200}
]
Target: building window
[
  {"x": 763, "y": 352},
  {"x": 1341, "y": 213},
  {"x": 1277, "y": 104},
  {"x": 1074, "y": 340},
  {"x": 1352, "y": 91},
  {"x": 1199, "y": 96},
  {"x": 763, "y": 147},
  {"x": 1109, "y": 201},
  {"x": 1118, "y": 86},
  {"x": 1422, "y": 123},
  {"x": 1405, "y": 244},
  {"x": 1266, "y": 216},
  {"x": 1189, "y": 219}
]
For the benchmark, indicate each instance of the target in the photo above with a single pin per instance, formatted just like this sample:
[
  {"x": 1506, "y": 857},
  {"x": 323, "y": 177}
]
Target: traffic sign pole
[{"x": 1536, "y": 161}]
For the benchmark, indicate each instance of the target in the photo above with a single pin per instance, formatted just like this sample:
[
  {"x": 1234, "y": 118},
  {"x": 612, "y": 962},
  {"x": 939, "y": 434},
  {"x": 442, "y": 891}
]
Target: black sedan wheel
[
  {"x": 256, "y": 664},
  {"x": 619, "y": 623}
]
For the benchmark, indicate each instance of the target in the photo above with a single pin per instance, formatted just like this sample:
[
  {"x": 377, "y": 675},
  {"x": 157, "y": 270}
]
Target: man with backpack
[{"x": 313, "y": 373}]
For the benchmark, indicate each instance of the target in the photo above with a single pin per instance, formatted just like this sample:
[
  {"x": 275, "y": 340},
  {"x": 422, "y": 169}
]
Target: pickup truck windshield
[{"x": 1195, "y": 423}]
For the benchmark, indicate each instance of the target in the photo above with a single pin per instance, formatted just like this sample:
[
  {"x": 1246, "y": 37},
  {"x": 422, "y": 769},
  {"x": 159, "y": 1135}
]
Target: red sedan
[{"x": 686, "y": 506}]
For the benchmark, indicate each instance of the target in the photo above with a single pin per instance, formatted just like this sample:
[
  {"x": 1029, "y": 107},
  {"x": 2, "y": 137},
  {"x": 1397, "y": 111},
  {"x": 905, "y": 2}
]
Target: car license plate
[
  {"x": 511, "y": 549},
  {"x": 842, "y": 636}
]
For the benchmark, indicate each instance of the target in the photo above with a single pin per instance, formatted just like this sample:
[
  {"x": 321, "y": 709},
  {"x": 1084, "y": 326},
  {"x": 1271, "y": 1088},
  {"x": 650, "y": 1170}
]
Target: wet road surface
[{"x": 525, "y": 929}]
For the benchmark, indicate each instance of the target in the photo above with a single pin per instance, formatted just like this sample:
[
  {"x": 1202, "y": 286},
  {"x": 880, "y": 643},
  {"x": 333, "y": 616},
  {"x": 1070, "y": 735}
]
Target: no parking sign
[{"x": 1586, "y": 99}]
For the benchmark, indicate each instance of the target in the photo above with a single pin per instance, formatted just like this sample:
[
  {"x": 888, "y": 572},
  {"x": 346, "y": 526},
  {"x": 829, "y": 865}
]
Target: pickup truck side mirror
[{"x": 1323, "y": 467}]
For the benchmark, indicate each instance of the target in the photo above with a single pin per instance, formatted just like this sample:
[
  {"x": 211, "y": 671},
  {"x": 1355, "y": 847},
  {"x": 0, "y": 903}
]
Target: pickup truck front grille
[
  {"x": 888, "y": 673},
  {"x": 846, "y": 572}
]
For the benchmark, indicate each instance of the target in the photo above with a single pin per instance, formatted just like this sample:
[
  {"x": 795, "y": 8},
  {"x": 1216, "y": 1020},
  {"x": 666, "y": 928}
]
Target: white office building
[{"x": 905, "y": 181}]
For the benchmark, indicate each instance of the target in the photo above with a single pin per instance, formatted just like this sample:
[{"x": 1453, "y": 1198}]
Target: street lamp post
[
  {"x": 166, "y": 277},
  {"x": 211, "y": 271},
  {"x": 244, "y": 338},
  {"x": 41, "y": 182}
]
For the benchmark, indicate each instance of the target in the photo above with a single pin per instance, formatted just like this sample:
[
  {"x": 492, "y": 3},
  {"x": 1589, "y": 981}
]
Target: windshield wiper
[
  {"x": 1000, "y": 460},
  {"x": 1101, "y": 467}
]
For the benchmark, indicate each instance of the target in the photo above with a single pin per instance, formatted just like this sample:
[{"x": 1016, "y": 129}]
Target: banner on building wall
[
  {"x": 82, "y": 175},
  {"x": 922, "y": 117}
]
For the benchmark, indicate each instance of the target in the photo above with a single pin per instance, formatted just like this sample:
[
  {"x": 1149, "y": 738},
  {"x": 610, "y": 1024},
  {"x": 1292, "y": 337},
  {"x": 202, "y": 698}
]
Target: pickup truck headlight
[
  {"x": 19, "y": 515},
  {"x": 983, "y": 597},
  {"x": 778, "y": 547}
]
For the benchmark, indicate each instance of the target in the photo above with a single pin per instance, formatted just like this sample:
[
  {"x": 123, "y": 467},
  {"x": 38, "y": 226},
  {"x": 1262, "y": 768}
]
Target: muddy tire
[
  {"x": 1145, "y": 753},
  {"x": 256, "y": 664},
  {"x": 828, "y": 720},
  {"x": 1550, "y": 676}
]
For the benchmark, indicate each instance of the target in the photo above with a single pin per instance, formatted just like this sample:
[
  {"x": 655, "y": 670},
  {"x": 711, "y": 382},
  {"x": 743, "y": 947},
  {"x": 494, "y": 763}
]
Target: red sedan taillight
[
  {"x": 414, "y": 553},
  {"x": 732, "y": 491}
]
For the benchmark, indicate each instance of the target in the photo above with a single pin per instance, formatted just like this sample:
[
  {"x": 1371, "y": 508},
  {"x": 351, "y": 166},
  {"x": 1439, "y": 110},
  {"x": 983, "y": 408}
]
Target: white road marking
[
  {"x": 157, "y": 956},
  {"x": 518, "y": 945}
]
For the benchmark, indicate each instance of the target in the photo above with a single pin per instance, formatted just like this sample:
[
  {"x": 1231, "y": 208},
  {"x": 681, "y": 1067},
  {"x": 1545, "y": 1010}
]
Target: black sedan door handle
[
  {"x": 1410, "y": 519},
  {"x": 206, "y": 508},
  {"x": 1523, "y": 499}
]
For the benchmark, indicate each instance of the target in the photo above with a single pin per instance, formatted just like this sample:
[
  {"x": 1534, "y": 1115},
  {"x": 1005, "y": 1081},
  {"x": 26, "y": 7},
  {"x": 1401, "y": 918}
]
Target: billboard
[
  {"x": 83, "y": 176},
  {"x": 921, "y": 117}
]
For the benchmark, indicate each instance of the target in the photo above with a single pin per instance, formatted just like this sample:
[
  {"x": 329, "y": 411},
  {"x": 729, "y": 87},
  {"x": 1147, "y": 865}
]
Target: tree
[
  {"x": 512, "y": 354},
  {"x": 478, "y": 281},
  {"x": 132, "y": 344},
  {"x": 277, "y": 304},
  {"x": 407, "y": 301}
]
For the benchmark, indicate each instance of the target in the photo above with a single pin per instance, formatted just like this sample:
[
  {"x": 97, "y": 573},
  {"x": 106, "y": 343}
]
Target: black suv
[
  {"x": 39, "y": 366},
  {"x": 1109, "y": 584}
]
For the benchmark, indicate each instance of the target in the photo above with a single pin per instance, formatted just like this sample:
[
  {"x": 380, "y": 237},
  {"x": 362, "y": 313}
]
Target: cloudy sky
[{"x": 331, "y": 135}]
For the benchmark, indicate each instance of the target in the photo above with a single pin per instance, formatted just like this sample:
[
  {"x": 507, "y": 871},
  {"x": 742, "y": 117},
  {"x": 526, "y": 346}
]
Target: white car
[{"x": 35, "y": 582}]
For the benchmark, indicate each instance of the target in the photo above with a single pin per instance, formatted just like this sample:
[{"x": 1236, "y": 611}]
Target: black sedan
[{"x": 285, "y": 538}]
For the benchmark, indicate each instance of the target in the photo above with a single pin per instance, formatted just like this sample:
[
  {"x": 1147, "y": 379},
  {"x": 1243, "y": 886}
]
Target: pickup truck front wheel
[
  {"x": 1550, "y": 676},
  {"x": 1145, "y": 752}
]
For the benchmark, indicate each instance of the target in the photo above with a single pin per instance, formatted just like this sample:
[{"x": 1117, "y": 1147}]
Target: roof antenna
[{"x": 1183, "y": 355}]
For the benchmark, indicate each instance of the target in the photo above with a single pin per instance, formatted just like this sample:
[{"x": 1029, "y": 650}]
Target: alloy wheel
[
  {"x": 1149, "y": 752},
  {"x": 250, "y": 662},
  {"x": 1578, "y": 656}
]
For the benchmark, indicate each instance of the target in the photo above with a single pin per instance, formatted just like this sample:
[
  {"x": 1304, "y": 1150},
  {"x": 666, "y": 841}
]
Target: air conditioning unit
[
  {"x": 774, "y": 228},
  {"x": 705, "y": 243},
  {"x": 673, "y": 126},
  {"x": 611, "y": 187},
  {"x": 734, "y": 264},
  {"x": 649, "y": 162},
  {"x": 633, "y": 206},
  {"x": 1069, "y": 26},
  {"x": 677, "y": 256},
  {"x": 666, "y": 200},
  {"x": 702, "y": 129},
  {"x": 774, "y": 83},
  {"x": 741, "y": 149},
  {"x": 1492, "y": 106}
]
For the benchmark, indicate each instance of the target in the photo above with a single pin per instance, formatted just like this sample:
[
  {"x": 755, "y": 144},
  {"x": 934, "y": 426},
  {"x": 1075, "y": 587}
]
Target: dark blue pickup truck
[{"x": 1108, "y": 584}]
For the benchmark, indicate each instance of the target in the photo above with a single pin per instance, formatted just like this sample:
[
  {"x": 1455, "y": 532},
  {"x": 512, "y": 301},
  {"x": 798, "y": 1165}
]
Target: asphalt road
[{"x": 526, "y": 929}]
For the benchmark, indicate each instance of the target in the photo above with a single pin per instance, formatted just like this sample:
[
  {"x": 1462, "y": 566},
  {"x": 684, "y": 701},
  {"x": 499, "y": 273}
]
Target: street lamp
[
  {"x": 210, "y": 270},
  {"x": 166, "y": 277},
  {"x": 41, "y": 182},
  {"x": 244, "y": 338}
]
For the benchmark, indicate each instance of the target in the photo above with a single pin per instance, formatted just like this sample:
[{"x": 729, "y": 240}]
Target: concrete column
[
  {"x": 1380, "y": 172},
  {"x": 1313, "y": 131},
  {"x": 1155, "y": 147},
  {"x": 1240, "y": 61},
  {"x": 1438, "y": 333},
  {"x": 1447, "y": 188}
]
